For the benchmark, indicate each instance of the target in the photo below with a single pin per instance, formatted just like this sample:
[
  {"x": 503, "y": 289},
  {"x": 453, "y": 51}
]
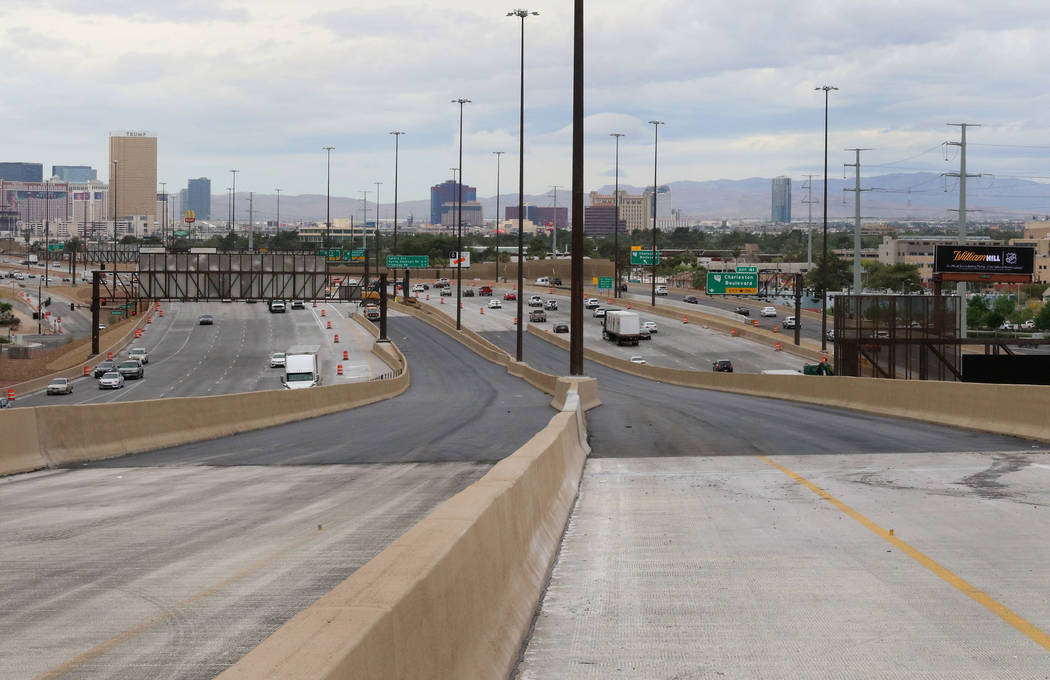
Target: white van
[{"x": 543, "y": 281}]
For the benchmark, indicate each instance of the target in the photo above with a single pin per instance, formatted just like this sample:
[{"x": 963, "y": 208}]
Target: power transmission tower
[
  {"x": 961, "y": 288},
  {"x": 856, "y": 221},
  {"x": 809, "y": 220}
]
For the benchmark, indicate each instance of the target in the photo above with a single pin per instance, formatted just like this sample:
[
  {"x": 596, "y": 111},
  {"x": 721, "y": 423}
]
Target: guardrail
[{"x": 454, "y": 596}]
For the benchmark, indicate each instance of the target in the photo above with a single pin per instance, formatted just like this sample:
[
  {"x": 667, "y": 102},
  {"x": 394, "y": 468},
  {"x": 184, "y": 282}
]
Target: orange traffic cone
[
  {"x": 109, "y": 356},
  {"x": 481, "y": 310},
  {"x": 515, "y": 321},
  {"x": 10, "y": 395},
  {"x": 777, "y": 348},
  {"x": 329, "y": 327},
  {"x": 442, "y": 300},
  {"x": 685, "y": 319},
  {"x": 322, "y": 312},
  {"x": 337, "y": 337},
  {"x": 754, "y": 322},
  {"x": 346, "y": 355},
  {"x": 87, "y": 371},
  {"x": 776, "y": 329},
  {"x": 339, "y": 369},
  {"x": 315, "y": 303},
  {"x": 732, "y": 331}
]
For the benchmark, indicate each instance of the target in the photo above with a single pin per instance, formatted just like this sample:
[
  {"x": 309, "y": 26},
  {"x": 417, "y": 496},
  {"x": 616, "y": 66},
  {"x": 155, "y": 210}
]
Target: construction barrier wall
[{"x": 454, "y": 597}]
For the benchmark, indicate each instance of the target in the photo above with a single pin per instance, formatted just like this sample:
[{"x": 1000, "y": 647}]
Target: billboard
[{"x": 958, "y": 259}]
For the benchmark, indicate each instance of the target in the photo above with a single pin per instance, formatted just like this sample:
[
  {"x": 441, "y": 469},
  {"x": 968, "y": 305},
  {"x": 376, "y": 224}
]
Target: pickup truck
[{"x": 537, "y": 316}]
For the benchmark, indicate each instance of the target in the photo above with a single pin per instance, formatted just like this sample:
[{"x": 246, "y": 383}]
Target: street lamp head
[
  {"x": 461, "y": 102},
  {"x": 656, "y": 122},
  {"x": 825, "y": 87},
  {"x": 397, "y": 132},
  {"x": 522, "y": 13}
]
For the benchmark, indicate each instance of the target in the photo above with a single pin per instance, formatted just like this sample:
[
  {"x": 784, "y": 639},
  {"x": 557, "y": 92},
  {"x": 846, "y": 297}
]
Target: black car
[
  {"x": 722, "y": 366},
  {"x": 743, "y": 311},
  {"x": 556, "y": 282},
  {"x": 105, "y": 367},
  {"x": 207, "y": 320},
  {"x": 469, "y": 292},
  {"x": 691, "y": 299},
  {"x": 561, "y": 328}
]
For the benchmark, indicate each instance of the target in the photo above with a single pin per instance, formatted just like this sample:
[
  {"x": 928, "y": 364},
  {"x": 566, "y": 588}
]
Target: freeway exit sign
[
  {"x": 355, "y": 254},
  {"x": 407, "y": 261},
  {"x": 747, "y": 268},
  {"x": 644, "y": 257},
  {"x": 605, "y": 282},
  {"x": 732, "y": 283},
  {"x": 56, "y": 246}
]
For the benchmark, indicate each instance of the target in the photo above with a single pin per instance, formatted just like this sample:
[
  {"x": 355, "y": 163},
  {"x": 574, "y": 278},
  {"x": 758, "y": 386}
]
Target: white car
[
  {"x": 418, "y": 288},
  {"x": 496, "y": 303},
  {"x": 535, "y": 301},
  {"x": 111, "y": 381},
  {"x": 1028, "y": 325},
  {"x": 768, "y": 311},
  {"x": 637, "y": 360},
  {"x": 277, "y": 359},
  {"x": 139, "y": 354},
  {"x": 661, "y": 290},
  {"x": 591, "y": 303},
  {"x": 60, "y": 386},
  {"x": 649, "y": 326}
]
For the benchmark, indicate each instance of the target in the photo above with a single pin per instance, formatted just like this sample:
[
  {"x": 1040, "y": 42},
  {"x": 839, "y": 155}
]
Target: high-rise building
[
  {"x": 782, "y": 199},
  {"x": 74, "y": 173},
  {"x": 135, "y": 178},
  {"x": 198, "y": 197},
  {"x": 634, "y": 210},
  {"x": 598, "y": 220},
  {"x": 473, "y": 215},
  {"x": 448, "y": 192},
  {"x": 22, "y": 172},
  {"x": 540, "y": 215}
]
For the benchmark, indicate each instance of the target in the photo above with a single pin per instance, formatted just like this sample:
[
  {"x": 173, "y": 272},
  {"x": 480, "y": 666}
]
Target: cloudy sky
[{"x": 262, "y": 86}]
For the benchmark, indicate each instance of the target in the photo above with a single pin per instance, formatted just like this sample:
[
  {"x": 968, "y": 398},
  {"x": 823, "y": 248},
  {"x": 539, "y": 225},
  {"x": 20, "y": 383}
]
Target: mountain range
[{"x": 905, "y": 196}]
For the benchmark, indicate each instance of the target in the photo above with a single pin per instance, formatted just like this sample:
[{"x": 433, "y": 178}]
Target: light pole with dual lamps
[
  {"x": 656, "y": 146},
  {"x": 521, "y": 14},
  {"x": 328, "y": 196},
  {"x": 824, "y": 261},
  {"x": 498, "y": 154},
  {"x": 233, "y": 202},
  {"x": 616, "y": 217},
  {"x": 459, "y": 220}
]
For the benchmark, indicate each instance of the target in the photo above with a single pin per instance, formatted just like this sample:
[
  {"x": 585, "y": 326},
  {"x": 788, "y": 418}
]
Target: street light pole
[
  {"x": 498, "y": 154},
  {"x": 377, "y": 228},
  {"x": 459, "y": 220},
  {"x": 278, "y": 192},
  {"x": 397, "y": 139},
  {"x": 616, "y": 218},
  {"x": 328, "y": 195},
  {"x": 164, "y": 216},
  {"x": 824, "y": 263},
  {"x": 656, "y": 142},
  {"x": 233, "y": 202},
  {"x": 521, "y": 14}
]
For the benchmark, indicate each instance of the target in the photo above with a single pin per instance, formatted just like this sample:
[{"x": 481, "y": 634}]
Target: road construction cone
[
  {"x": 481, "y": 310},
  {"x": 138, "y": 332},
  {"x": 628, "y": 305},
  {"x": 732, "y": 331},
  {"x": 315, "y": 303},
  {"x": 339, "y": 369},
  {"x": 329, "y": 327},
  {"x": 550, "y": 291},
  {"x": 515, "y": 321},
  {"x": 322, "y": 312},
  {"x": 824, "y": 360},
  {"x": 685, "y": 319},
  {"x": 754, "y": 322},
  {"x": 346, "y": 355},
  {"x": 156, "y": 307},
  {"x": 776, "y": 329},
  {"x": 109, "y": 356},
  {"x": 442, "y": 299},
  {"x": 87, "y": 371},
  {"x": 149, "y": 319},
  {"x": 10, "y": 395},
  {"x": 777, "y": 347},
  {"x": 161, "y": 313},
  {"x": 336, "y": 337}
]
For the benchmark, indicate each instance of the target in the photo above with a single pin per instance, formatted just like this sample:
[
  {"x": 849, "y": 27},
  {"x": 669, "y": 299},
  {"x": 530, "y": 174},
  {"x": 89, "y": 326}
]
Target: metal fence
[{"x": 898, "y": 336}]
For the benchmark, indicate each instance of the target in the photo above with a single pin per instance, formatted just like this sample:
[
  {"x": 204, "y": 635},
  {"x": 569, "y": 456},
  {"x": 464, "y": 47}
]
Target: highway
[
  {"x": 175, "y": 563},
  {"x": 232, "y": 355},
  {"x": 675, "y": 345}
]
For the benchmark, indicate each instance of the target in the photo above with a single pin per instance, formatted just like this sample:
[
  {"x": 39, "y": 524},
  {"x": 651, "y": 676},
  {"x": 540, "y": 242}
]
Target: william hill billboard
[{"x": 984, "y": 260}]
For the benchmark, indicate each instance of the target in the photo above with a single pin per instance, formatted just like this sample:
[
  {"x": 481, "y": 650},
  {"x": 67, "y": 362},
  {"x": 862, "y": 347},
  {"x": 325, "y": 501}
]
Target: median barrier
[
  {"x": 453, "y": 597},
  {"x": 21, "y": 450},
  {"x": 1015, "y": 410},
  {"x": 64, "y": 434}
]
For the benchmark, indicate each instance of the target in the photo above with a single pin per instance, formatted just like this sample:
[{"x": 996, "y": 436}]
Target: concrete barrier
[
  {"x": 455, "y": 595},
  {"x": 57, "y": 435},
  {"x": 586, "y": 390},
  {"x": 1018, "y": 410}
]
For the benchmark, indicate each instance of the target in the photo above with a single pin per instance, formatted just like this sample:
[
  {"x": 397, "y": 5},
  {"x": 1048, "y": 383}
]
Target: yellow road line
[
  {"x": 1024, "y": 626},
  {"x": 125, "y": 635}
]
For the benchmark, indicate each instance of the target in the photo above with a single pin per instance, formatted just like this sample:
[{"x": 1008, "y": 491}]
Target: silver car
[
  {"x": 139, "y": 354},
  {"x": 131, "y": 369},
  {"x": 111, "y": 381},
  {"x": 60, "y": 386},
  {"x": 277, "y": 359}
]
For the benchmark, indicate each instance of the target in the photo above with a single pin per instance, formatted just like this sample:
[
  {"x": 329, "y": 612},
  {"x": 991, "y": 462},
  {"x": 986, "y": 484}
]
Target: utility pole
[
  {"x": 961, "y": 288},
  {"x": 554, "y": 232},
  {"x": 498, "y": 155},
  {"x": 856, "y": 221},
  {"x": 278, "y": 191},
  {"x": 251, "y": 217},
  {"x": 809, "y": 220},
  {"x": 233, "y": 201},
  {"x": 164, "y": 215}
]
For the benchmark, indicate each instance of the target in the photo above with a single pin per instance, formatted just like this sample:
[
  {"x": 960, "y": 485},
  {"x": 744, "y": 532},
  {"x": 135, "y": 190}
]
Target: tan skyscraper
[{"x": 133, "y": 179}]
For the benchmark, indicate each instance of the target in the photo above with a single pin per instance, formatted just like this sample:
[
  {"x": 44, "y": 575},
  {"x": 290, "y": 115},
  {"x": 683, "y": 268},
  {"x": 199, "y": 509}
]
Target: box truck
[
  {"x": 302, "y": 367},
  {"x": 621, "y": 327}
]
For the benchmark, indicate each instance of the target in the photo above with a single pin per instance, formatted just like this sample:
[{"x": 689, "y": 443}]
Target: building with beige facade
[
  {"x": 1037, "y": 235},
  {"x": 133, "y": 178},
  {"x": 634, "y": 208}
]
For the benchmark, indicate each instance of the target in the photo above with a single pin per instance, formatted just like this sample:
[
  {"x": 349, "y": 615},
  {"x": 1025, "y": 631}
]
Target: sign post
[{"x": 732, "y": 283}]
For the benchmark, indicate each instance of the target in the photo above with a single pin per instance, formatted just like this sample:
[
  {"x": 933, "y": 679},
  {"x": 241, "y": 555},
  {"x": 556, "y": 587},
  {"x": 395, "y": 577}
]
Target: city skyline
[{"x": 734, "y": 85}]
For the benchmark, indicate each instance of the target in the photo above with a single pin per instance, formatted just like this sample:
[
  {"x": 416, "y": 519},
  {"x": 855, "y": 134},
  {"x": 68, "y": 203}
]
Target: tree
[
  {"x": 832, "y": 273},
  {"x": 1042, "y": 319},
  {"x": 901, "y": 278},
  {"x": 977, "y": 311}
]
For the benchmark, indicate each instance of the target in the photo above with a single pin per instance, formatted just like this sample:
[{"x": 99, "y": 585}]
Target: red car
[
  {"x": 510, "y": 295},
  {"x": 485, "y": 290}
]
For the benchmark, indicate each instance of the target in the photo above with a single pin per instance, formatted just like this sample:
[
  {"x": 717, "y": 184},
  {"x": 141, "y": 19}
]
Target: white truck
[
  {"x": 621, "y": 327},
  {"x": 302, "y": 367}
]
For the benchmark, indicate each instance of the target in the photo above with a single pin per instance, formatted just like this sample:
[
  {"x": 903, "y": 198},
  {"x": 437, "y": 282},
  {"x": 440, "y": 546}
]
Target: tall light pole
[
  {"x": 278, "y": 192},
  {"x": 47, "y": 239},
  {"x": 328, "y": 195},
  {"x": 164, "y": 217},
  {"x": 521, "y": 14},
  {"x": 824, "y": 262},
  {"x": 616, "y": 218},
  {"x": 233, "y": 202},
  {"x": 229, "y": 208},
  {"x": 459, "y": 220},
  {"x": 498, "y": 154},
  {"x": 576, "y": 306},
  {"x": 554, "y": 232},
  {"x": 377, "y": 227},
  {"x": 656, "y": 146},
  {"x": 113, "y": 191},
  {"x": 397, "y": 139}
]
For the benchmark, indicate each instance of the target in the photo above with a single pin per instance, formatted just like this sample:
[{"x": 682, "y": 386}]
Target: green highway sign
[
  {"x": 355, "y": 254},
  {"x": 605, "y": 281},
  {"x": 732, "y": 283},
  {"x": 182, "y": 233},
  {"x": 116, "y": 312},
  {"x": 56, "y": 246},
  {"x": 407, "y": 261},
  {"x": 747, "y": 268},
  {"x": 644, "y": 257}
]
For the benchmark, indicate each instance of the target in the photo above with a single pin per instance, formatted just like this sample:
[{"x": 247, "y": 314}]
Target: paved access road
[
  {"x": 187, "y": 359},
  {"x": 675, "y": 345},
  {"x": 697, "y": 549},
  {"x": 174, "y": 564}
]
